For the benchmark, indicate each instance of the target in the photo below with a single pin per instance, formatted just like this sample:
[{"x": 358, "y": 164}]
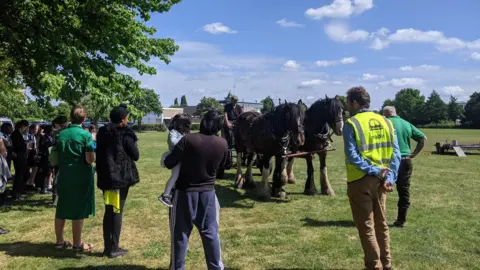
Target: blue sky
[{"x": 308, "y": 49}]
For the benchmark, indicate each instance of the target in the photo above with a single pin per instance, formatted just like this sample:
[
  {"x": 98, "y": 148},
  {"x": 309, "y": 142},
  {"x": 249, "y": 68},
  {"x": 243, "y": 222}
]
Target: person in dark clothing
[
  {"x": 231, "y": 112},
  {"x": 194, "y": 200},
  {"x": 58, "y": 124},
  {"x": 20, "y": 159},
  {"x": 6, "y": 130},
  {"x": 42, "y": 177},
  {"x": 116, "y": 152},
  {"x": 4, "y": 175}
]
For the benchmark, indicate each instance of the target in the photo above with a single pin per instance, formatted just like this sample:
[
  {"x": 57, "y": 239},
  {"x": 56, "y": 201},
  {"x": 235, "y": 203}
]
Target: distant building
[
  {"x": 165, "y": 117},
  {"x": 247, "y": 106}
]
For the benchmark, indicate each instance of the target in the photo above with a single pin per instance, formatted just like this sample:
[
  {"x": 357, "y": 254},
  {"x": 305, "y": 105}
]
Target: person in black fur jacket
[{"x": 116, "y": 152}]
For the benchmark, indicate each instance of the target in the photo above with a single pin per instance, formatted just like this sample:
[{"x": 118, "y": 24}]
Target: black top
[
  {"x": 200, "y": 156},
  {"x": 116, "y": 154},
  {"x": 233, "y": 113},
  {"x": 18, "y": 143}
]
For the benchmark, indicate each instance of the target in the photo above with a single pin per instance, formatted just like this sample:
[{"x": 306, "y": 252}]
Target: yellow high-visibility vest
[{"x": 374, "y": 135}]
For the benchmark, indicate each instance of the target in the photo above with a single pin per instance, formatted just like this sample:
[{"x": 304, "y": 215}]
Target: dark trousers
[
  {"x": 42, "y": 176},
  {"x": 21, "y": 174},
  {"x": 112, "y": 224},
  {"x": 202, "y": 210},
  {"x": 403, "y": 188}
]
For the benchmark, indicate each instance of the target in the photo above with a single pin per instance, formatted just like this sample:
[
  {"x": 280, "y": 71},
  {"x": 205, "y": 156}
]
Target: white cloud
[
  {"x": 371, "y": 77},
  {"x": 291, "y": 65},
  {"x": 475, "y": 56},
  {"x": 401, "y": 82},
  {"x": 406, "y": 68},
  {"x": 310, "y": 84},
  {"x": 453, "y": 90},
  {"x": 339, "y": 9},
  {"x": 310, "y": 97},
  {"x": 325, "y": 63},
  {"x": 421, "y": 67},
  {"x": 379, "y": 44},
  {"x": 477, "y": 77},
  {"x": 340, "y": 32},
  {"x": 218, "y": 28},
  {"x": 348, "y": 60},
  {"x": 337, "y": 82},
  {"x": 285, "y": 23}
]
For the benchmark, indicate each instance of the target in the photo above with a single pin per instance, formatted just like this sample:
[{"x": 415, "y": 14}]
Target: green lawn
[{"x": 443, "y": 229}]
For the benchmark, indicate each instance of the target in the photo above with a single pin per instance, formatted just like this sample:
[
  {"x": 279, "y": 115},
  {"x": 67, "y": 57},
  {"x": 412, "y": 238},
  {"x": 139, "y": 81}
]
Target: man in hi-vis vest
[{"x": 372, "y": 159}]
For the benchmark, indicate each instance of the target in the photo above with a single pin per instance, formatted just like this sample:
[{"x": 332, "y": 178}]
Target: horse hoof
[
  {"x": 292, "y": 181},
  {"x": 282, "y": 195},
  {"x": 239, "y": 183},
  {"x": 249, "y": 185},
  {"x": 328, "y": 193},
  {"x": 310, "y": 192}
]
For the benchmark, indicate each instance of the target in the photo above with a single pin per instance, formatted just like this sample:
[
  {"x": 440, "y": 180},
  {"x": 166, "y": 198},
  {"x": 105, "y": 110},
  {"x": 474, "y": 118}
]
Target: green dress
[{"x": 75, "y": 182}]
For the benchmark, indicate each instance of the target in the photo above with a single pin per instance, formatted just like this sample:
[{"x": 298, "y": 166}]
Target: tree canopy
[
  {"x": 267, "y": 104},
  {"x": 183, "y": 101},
  {"x": 435, "y": 108},
  {"x": 472, "y": 111},
  {"x": 66, "y": 50},
  {"x": 206, "y": 104},
  {"x": 454, "y": 110}
]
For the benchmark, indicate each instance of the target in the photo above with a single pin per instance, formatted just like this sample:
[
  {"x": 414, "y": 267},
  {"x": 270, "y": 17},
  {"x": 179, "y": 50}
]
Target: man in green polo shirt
[{"x": 405, "y": 132}]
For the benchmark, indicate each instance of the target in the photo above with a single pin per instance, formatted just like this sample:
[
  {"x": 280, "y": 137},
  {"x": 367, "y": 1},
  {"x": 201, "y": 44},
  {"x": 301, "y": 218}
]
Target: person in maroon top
[{"x": 194, "y": 198}]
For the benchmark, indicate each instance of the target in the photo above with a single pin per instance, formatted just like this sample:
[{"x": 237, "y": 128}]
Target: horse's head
[
  {"x": 288, "y": 119},
  {"x": 324, "y": 114}
]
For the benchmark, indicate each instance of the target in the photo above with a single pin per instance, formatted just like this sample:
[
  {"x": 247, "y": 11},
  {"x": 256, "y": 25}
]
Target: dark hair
[
  {"x": 47, "y": 129},
  {"x": 5, "y": 126},
  {"x": 21, "y": 123},
  {"x": 119, "y": 113},
  {"x": 33, "y": 126},
  {"x": 78, "y": 115},
  {"x": 360, "y": 95},
  {"x": 181, "y": 122},
  {"x": 60, "y": 120},
  {"x": 212, "y": 122},
  {"x": 91, "y": 128}
]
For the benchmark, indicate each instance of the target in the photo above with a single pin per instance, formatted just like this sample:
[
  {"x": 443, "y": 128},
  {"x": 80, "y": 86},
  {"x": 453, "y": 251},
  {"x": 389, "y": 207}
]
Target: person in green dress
[{"x": 76, "y": 197}]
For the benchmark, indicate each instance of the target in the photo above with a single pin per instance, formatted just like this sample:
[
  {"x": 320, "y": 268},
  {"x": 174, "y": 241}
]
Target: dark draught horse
[
  {"x": 270, "y": 134},
  {"x": 320, "y": 118}
]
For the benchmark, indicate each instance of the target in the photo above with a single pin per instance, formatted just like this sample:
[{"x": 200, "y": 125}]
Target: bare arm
[
  {"x": 90, "y": 157},
  {"x": 227, "y": 123},
  {"x": 3, "y": 149},
  {"x": 419, "y": 148}
]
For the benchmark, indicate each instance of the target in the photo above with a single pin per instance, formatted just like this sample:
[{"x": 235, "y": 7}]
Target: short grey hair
[{"x": 390, "y": 110}]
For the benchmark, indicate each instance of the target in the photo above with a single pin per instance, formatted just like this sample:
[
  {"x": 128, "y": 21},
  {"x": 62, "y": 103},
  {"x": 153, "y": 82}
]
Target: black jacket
[{"x": 116, "y": 154}]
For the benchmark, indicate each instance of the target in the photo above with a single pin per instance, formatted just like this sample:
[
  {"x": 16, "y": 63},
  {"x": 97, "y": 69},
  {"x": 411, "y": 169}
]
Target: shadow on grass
[
  {"x": 331, "y": 223},
  {"x": 107, "y": 267},
  {"x": 28, "y": 249},
  {"x": 228, "y": 197},
  {"x": 303, "y": 268},
  {"x": 28, "y": 205},
  {"x": 452, "y": 153}
]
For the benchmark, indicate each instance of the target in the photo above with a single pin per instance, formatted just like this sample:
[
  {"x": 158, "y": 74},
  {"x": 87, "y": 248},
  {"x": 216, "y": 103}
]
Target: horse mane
[
  {"x": 316, "y": 116},
  {"x": 280, "y": 117}
]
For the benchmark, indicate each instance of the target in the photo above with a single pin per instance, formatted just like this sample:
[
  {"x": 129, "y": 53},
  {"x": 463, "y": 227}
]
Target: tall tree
[
  {"x": 148, "y": 102},
  {"x": 435, "y": 108},
  {"x": 12, "y": 103},
  {"x": 408, "y": 102},
  {"x": 388, "y": 102},
  {"x": 63, "y": 109},
  {"x": 228, "y": 98},
  {"x": 207, "y": 104},
  {"x": 175, "y": 103},
  {"x": 454, "y": 110},
  {"x": 472, "y": 111},
  {"x": 267, "y": 104},
  {"x": 183, "y": 101},
  {"x": 97, "y": 110},
  {"x": 66, "y": 50}
]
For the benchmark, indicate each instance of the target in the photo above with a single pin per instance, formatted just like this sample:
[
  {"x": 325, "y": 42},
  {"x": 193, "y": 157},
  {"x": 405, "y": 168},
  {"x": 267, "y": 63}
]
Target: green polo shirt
[{"x": 405, "y": 132}]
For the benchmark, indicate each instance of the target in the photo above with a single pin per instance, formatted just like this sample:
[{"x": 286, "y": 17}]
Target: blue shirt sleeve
[
  {"x": 353, "y": 155},
  {"x": 395, "y": 161}
]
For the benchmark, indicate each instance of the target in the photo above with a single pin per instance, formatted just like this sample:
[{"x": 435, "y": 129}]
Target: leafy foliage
[
  {"x": 267, "y": 104},
  {"x": 183, "y": 101},
  {"x": 67, "y": 50},
  {"x": 206, "y": 104},
  {"x": 435, "y": 108},
  {"x": 408, "y": 103},
  {"x": 148, "y": 102},
  {"x": 472, "y": 111},
  {"x": 175, "y": 103},
  {"x": 454, "y": 110},
  {"x": 302, "y": 105}
]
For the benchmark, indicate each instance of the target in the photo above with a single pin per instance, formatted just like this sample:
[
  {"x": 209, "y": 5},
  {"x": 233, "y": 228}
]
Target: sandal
[
  {"x": 83, "y": 247},
  {"x": 64, "y": 245}
]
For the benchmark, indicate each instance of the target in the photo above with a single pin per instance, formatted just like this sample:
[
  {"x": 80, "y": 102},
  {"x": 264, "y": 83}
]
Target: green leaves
[
  {"x": 71, "y": 49},
  {"x": 207, "y": 104},
  {"x": 267, "y": 104}
]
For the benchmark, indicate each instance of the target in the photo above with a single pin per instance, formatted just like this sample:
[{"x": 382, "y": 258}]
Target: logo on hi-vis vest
[{"x": 376, "y": 129}]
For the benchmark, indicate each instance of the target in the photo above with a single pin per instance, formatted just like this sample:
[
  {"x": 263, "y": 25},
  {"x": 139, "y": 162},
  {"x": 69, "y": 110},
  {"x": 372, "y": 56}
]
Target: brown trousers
[{"x": 367, "y": 201}]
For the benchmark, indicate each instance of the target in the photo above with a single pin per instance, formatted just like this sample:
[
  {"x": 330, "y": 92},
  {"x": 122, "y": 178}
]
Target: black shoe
[
  {"x": 3, "y": 231},
  {"x": 166, "y": 199},
  {"x": 399, "y": 224},
  {"x": 119, "y": 252}
]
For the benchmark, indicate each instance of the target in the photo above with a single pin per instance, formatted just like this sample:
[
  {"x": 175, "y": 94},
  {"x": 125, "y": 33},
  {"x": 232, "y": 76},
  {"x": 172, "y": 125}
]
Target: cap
[
  {"x": 119, "y": 113},
  {"x": 235, "y": 98}
]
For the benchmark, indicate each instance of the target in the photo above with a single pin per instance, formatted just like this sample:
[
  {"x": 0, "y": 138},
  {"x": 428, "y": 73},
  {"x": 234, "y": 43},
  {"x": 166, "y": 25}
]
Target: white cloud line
[
  {"x": 475, "y": 56},
  {"x": 453, "y": 90},
  {"x": 310, "y": 84},
  {"x": 340, "y": 32},
  {"x": 401, "y": 82},
  {"x": 371, "y": 77},
  {"x": 285, "y": 23},
  {"x": 339, "y": 9},
  {"x": 291, "y": 65},
  {"x": 218, "y": 28},
  {"x": 343, "y": 61},
  {"x": 421, "y": 67}
]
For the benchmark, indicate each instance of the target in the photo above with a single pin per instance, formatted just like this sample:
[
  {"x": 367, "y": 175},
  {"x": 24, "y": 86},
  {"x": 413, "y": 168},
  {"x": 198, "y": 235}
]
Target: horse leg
[
  {"x": 310, "y": 188},
  {"x": 239, "y": 178},
  {"x": 278, "y": 180},
  {"x": 325, "y": 187},
  {"x": 249, "y": 182},
  {"x": 291, "y": 176},
  {"x": 263, "y": 189}
]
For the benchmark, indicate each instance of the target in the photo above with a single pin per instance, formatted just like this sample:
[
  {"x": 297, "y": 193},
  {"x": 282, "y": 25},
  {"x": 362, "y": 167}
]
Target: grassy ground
[{"x": 443, "y": 229}]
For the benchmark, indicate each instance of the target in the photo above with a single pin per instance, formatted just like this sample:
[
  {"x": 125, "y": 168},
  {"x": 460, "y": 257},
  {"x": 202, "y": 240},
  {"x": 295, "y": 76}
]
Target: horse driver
[{"x": 232, "y": 110}]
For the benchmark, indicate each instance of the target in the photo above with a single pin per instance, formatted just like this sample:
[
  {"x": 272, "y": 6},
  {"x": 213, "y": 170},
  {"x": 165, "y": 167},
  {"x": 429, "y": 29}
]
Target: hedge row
[{"x": 159, "y": 127}]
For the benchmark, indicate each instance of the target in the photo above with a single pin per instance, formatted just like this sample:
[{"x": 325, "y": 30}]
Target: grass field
[{"x": 443, "y": 229}]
